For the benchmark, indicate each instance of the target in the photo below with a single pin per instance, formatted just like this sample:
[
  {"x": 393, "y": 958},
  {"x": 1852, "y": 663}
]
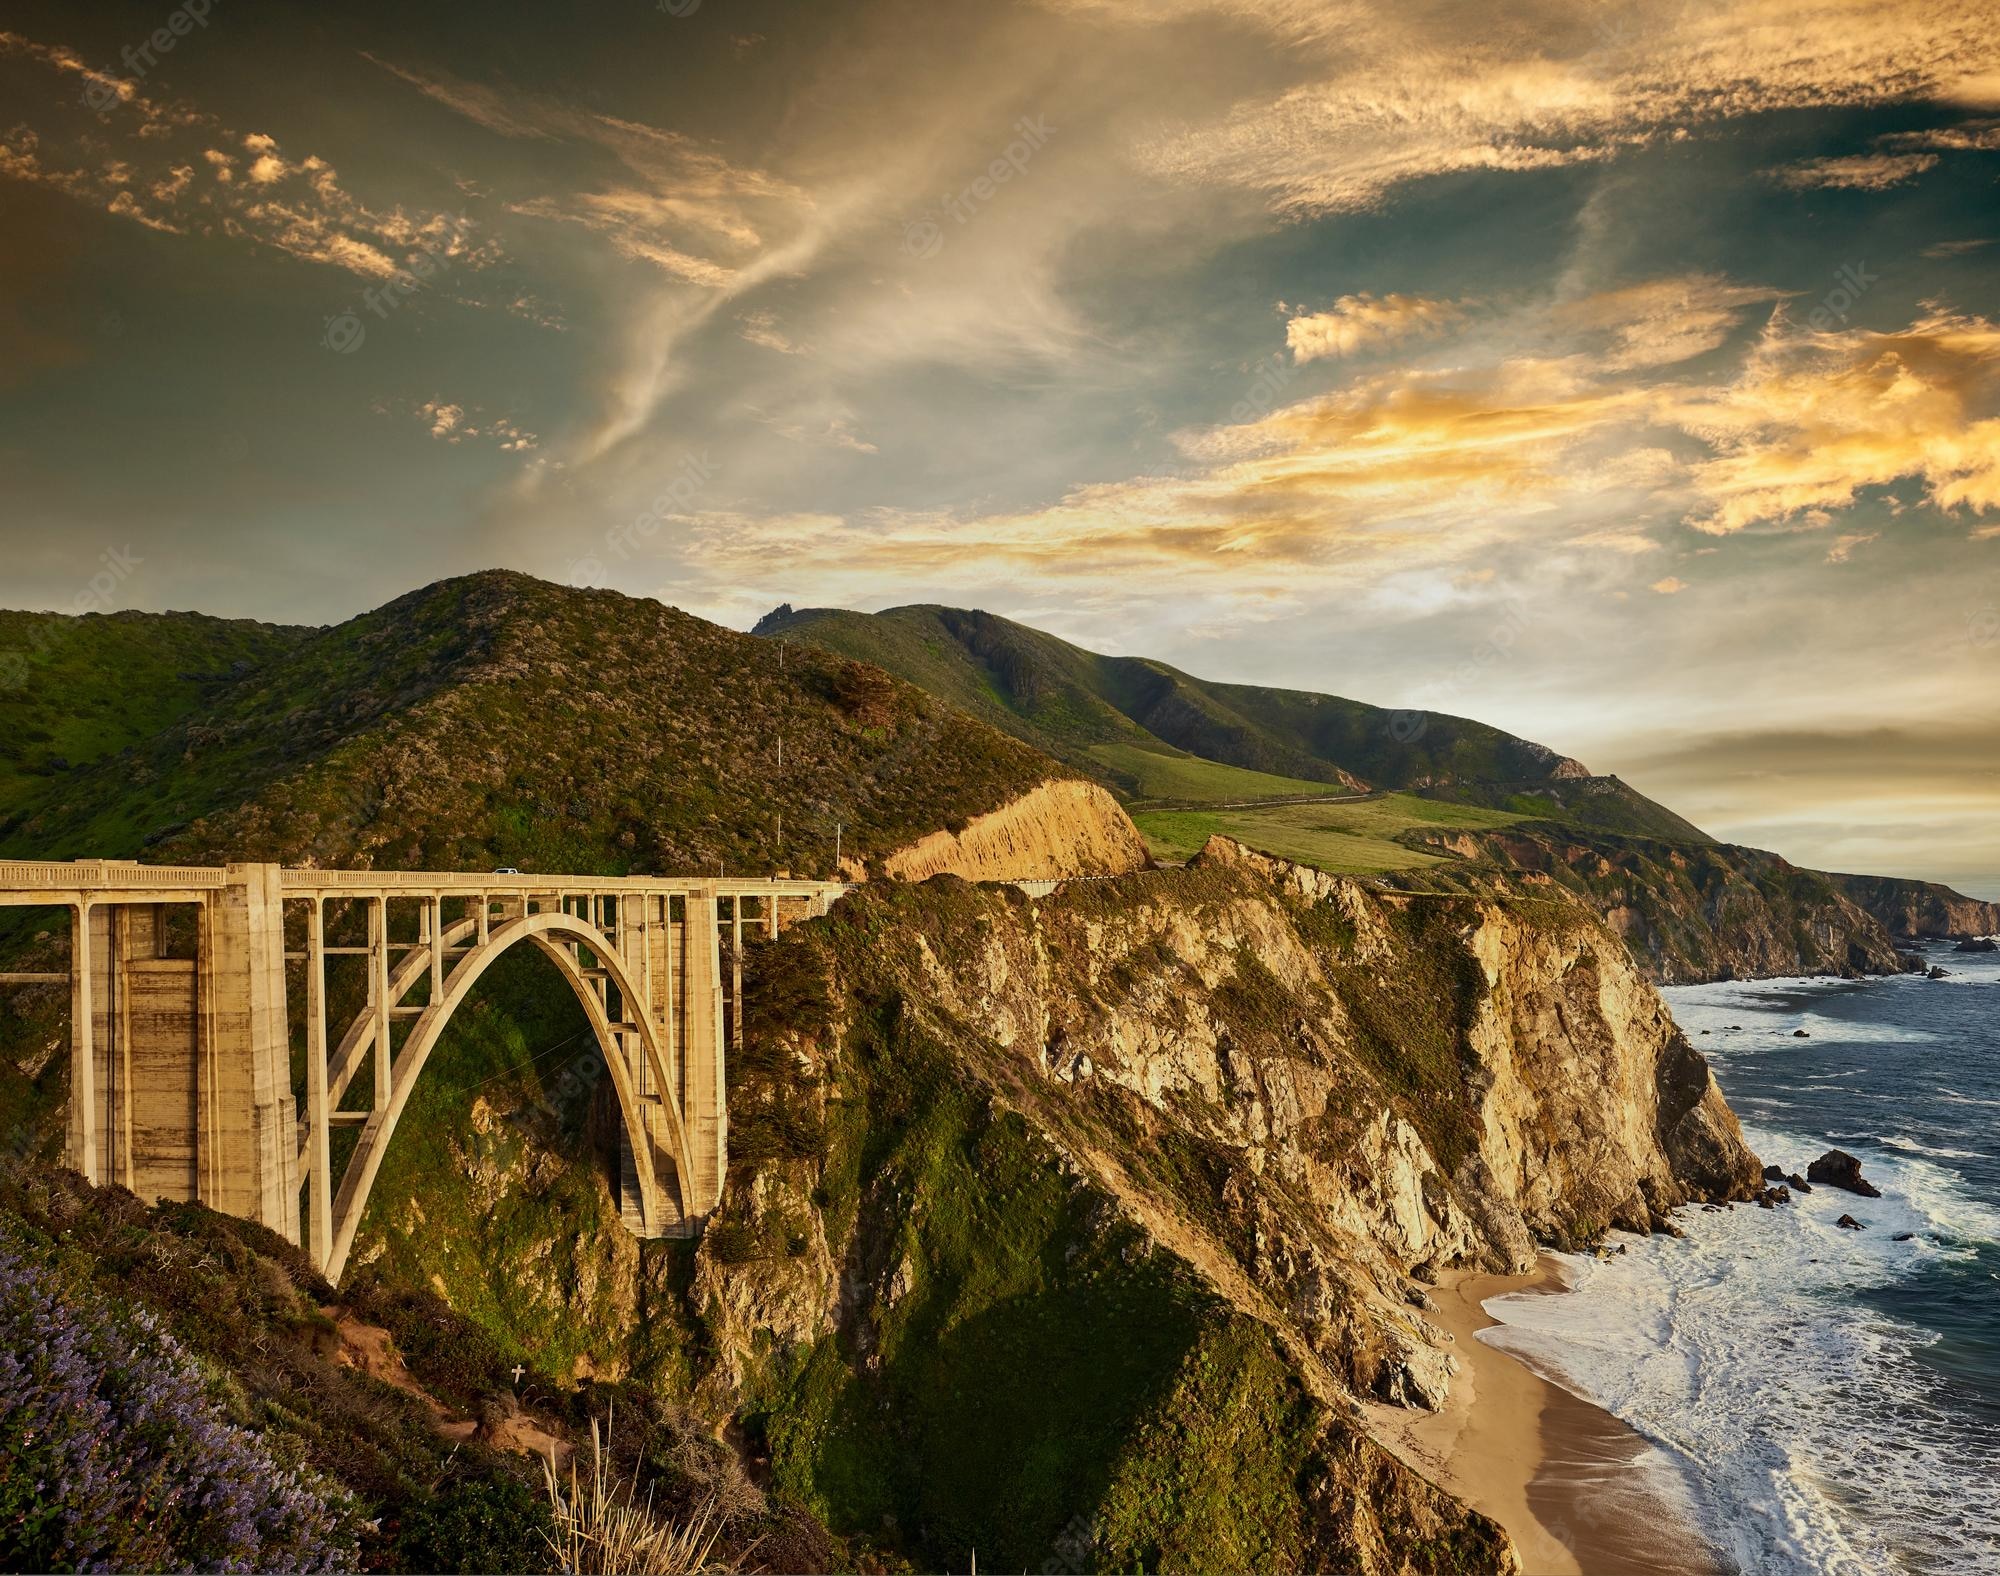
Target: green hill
[
  {"x": 1132, "y": 722},
  {"x": 76, "y": 689},
  {"x": 489, "y": 720}
]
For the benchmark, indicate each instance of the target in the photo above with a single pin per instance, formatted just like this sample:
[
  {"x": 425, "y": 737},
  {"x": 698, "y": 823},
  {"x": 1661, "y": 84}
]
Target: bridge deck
[{"x": 27, "y": 882}]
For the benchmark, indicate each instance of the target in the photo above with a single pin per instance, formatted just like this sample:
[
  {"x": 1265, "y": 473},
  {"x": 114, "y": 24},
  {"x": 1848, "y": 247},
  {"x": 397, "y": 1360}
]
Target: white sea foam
[
  {"x": 1796, "y": 1416},
  {"x": 1912, "y": 1146}
]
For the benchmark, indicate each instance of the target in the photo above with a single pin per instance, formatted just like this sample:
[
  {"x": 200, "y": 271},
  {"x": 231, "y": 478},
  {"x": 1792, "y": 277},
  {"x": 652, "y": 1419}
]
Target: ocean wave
[
  {"x": 1914, "y": 1146},
  {"x": 1812, "y": 1437}
]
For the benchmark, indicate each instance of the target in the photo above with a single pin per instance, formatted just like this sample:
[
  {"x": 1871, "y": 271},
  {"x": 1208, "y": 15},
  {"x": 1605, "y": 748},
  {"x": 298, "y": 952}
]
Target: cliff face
[
  {"x": 1192, "y": 1135},
  {"x": 1913, "y": 910},
  {"x": 1066, "y": 828},
  {"x": 1690, "y": 912}
]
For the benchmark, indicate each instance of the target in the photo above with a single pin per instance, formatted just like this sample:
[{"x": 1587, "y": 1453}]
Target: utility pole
[{"x": 836, "y": 850}]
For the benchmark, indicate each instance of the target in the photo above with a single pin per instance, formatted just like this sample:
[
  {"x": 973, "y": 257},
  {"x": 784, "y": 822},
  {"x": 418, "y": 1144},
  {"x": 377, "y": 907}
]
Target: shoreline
[{"x": 1559, "y": 1473}]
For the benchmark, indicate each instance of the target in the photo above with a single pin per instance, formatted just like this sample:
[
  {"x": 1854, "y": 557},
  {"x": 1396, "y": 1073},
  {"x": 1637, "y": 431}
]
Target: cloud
[
  {"x": 1442, "y": 88},
  {"x": 681, "y": 207},
  {"x": 1358, "y": 323},
  {"x": 1813, "y": 419},
  {"x": 1864, "y": 172},
  {"x": 1946, "y": 249},
  {"x": 1661, "y": 322},
  {"x": 1570, "y": 448},
  {"x": 454, "y": 423},
  {"x": 761, "y": 328},
  {"x": 1844, "y": 546},
  {"x": 1972, "y": 136},
  {"x": 178, "y": 171}
]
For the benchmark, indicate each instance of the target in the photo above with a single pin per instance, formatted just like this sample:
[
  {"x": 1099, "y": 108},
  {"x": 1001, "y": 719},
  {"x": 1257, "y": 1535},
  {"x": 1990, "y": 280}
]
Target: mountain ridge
[
  {"x": 1067, "y": 699},
  {"x": 1693, "y": 907}
]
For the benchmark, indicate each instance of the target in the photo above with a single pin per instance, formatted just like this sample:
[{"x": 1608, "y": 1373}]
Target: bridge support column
[
  {"x": 84, "y": 1148},
  {"x": 248, "y": 1132},
  {"x": 702, "y": 1051}
]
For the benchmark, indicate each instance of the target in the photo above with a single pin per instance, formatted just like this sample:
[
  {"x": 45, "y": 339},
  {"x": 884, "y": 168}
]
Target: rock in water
[
  {"x": 1797, "y": 1183},
  {"x": 1837, "y": 1168},
  {"x": 1800, "y": 1034},
  {"x": 1849, "y": 1222},
  {"x": 1978, "y": 944},
  {"x": 1774, "y": 1173}
]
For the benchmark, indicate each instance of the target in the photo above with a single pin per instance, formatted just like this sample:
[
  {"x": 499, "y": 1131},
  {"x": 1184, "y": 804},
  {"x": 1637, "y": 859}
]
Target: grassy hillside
[
  {"x": 1358, "y": 838},
  {"x": 1157, "y": 774},
  {"x": 1585, "y": 804},
  {"x": 75, "y": 690},
  {"x": 496, "y": 720},
  {"x": 1087, "y": 709}
]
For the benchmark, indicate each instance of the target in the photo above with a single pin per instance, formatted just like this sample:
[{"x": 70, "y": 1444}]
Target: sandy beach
[{"x": 1559, "y": 1474}]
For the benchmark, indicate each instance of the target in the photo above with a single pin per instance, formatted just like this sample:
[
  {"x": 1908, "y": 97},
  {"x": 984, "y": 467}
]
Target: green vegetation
[
  {"x": 1027, "y": 1330},
  {"x": 1074, "y": 703},
  {"x": 1158, "y": 774},
  {"x": 75, "y": 690},
  {"x": 514, "y": 1109},
  {"x": 247, "y": 1307},
  {"x": 1211, "y": 1480},
  {"x": 1357, "y": 838},
  {"x": 1582, "y": 804},
  {"x": 495, "y": 720}
]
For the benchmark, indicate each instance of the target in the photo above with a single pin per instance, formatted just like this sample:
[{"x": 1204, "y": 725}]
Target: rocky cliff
[
  {"x": 1913, "y": 910},
  {"x": 1690, "y": 912},
  {"x": 1058, "y": 829},
  {"x": 1073, "y": 1230},
  {"x": 1198, "y": 1134}
]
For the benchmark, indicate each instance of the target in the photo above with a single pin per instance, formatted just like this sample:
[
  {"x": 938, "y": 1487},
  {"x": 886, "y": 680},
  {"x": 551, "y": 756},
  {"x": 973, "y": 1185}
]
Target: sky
[{"x": 1627, "y": 377}]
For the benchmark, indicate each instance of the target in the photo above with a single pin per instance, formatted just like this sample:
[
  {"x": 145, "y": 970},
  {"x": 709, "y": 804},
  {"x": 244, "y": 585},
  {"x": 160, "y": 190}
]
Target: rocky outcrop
[
  {"x": 1914, "y": 910},
  {"x": 1690, "y": 912},
  {"x": 1837, "y": 1168},
  {"x": 1062, "y": 828}
]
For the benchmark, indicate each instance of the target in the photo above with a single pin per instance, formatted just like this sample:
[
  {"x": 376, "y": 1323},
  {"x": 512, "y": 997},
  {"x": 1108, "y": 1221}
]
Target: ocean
[{"x": 1819, "y": 1399}]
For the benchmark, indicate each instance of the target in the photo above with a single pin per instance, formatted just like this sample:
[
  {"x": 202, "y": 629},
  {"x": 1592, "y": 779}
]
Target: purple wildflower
[{"x": 112, "y": 1456}]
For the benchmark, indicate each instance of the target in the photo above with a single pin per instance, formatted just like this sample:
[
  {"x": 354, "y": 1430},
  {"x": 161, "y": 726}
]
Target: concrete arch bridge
[{"x": 182, "y": 1041}]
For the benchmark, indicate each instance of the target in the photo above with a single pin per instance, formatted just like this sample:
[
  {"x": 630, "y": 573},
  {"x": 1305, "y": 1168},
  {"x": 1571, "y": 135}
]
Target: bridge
[{"x": 185, "y": 1029}]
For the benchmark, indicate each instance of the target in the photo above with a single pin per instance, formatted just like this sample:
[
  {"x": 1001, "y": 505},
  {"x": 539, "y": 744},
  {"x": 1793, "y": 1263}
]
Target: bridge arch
[{"x": 558, "y": 936}]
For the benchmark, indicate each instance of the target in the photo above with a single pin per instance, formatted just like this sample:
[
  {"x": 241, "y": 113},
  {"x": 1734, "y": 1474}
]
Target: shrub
[
  {"x": 113, "y": 1457},
  {"x": 493, "y": 1523}
]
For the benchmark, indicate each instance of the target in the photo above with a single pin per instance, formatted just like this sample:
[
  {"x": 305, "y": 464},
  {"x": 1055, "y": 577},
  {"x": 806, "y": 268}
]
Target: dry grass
[{"x": 604, "y": 1529}]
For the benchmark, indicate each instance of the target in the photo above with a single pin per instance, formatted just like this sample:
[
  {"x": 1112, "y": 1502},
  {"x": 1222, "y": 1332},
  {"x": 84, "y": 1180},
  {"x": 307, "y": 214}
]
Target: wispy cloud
[
  {"x": 1865, "y": 172},
  {"x": 1581, "y": 451},
  {"x": 1358, "y": 323},
  {"x": 1474, "y": 88}
]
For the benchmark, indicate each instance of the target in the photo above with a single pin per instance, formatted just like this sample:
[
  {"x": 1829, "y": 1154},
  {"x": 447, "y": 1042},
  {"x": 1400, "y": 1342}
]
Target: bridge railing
[{"x": 49, "y": 875}]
